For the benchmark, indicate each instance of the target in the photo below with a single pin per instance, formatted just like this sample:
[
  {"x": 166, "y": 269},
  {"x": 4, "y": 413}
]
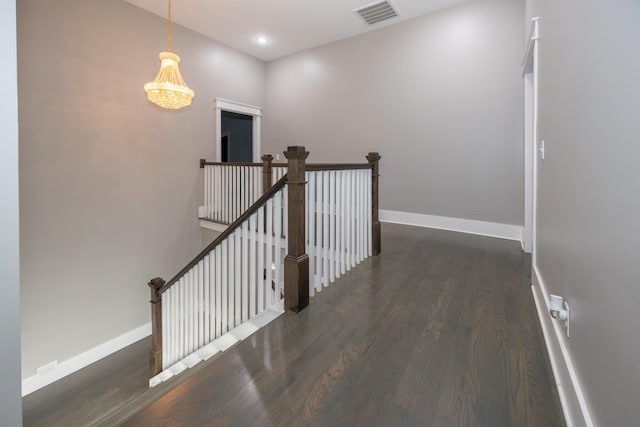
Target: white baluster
[
  {"x": 238, "y": 276},
  {"x": 260, "y": 272},
  {"x": 337, "y": 213},
  {"x": 166, "y": 304},
  {"x": 369, "y": 215},
  {"x": 318, "y": 209},
  {"x": 203, "y": 299},
  {"x": 285, "y": 214},
  {"x": 191, "y": 311},
  {"x": 207, "y": 192},
  {"x": 245, "y": 270},
  {"x": 278, "y": 239},
  {"x": 223, "y": 192},
  {"x": 252, "y": 266},
  {"x": 359, "y": 217},
  {"x": 269, "y": 257},
  {"x": 233, "y": 263},
  {"x": 325, "y": 228},
  {"x": 220, "y": 300},
  {"x": 311, "y": 223},
  {"x": 227, "y": 296},
  {"x": 332, "y": 225},
  {"x": 352, "y": 218},
  {"x": 348, "y": 238},
  {"x": 208, "y": 299}
]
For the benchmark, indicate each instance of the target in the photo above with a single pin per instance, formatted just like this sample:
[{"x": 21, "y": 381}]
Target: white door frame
[
  {"x": 238, "y": 107},
  {"x": 530, "y": 77}
]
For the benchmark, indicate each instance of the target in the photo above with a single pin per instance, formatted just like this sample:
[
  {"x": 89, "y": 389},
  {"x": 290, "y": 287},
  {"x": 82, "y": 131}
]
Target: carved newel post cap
[
  {"x": 296, "y": 152},
  {"x": 267, "y": 157},
  {"x": 373, "y": 156},
  {"x": 155, "y": 285}
]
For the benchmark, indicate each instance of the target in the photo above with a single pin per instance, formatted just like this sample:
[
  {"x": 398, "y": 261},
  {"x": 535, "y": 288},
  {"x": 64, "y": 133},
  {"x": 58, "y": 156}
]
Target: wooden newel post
[
  {"x": 296, "y": 263},
  {"x": 373, "y": 159},
  {"x": 156, "y": 327},
  {"x": 267, "y": 172}
]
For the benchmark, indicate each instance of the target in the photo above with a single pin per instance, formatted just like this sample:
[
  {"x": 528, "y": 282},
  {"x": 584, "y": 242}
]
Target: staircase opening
[{"x": 291, "y": 229}]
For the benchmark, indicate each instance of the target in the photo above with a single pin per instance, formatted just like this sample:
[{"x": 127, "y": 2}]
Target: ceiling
[{"x": 289, "y": 25}]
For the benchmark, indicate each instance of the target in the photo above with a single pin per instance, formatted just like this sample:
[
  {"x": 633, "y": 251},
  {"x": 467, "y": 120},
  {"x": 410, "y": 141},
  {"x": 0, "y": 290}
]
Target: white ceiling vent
[{"x": 376, "y": 12}]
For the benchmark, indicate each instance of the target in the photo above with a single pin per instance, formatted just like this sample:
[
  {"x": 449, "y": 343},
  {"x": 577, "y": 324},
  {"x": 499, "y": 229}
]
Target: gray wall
[
  {"x": 440, "y": 97},
  {"x": 589, "y": 202},
  {"x": 10, "y": 403},
  {"x": 110, "y": 184}
]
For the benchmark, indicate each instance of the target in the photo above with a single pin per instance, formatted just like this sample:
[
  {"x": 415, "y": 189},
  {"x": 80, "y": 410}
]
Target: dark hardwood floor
[
  {"x": 84, "y": 397},
  {"x": 439, "y": 330}
]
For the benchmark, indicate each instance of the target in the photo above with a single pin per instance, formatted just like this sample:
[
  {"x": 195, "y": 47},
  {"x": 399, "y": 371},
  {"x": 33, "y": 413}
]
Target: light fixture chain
[{"x": 169, "y": 24}]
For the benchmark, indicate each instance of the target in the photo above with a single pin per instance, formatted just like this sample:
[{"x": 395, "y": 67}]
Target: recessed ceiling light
[{"x": 262, "y": 40}]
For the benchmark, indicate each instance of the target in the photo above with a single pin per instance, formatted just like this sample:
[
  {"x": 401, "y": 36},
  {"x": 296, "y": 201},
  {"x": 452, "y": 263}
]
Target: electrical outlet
[
  {"x": 559, "y": 309},
  {"x": 566, "y": 321},
  {"x": 541, "y": 149},
  {"x": 47, "y": 369},
  {"x": 277, "y": 156}
]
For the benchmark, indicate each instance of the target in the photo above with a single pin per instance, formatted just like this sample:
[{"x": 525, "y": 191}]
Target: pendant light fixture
[{"x": 168, "y": 90}]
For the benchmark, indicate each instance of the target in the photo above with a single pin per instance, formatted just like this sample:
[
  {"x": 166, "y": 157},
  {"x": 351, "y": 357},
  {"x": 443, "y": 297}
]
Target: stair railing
[
  {"x": 231, "y": 188},
  {"x": 323, "y": 217},
  {"x": 235, "y": 278},
  {"x": 340, "y": 219}
]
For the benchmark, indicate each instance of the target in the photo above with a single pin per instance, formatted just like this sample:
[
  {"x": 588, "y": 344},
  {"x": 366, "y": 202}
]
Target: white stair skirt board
[
  {"x": 210, "y": 225},
  {"x": 470, "y": 226},
  {"x": 69, "y": 366},
  {"x": 574, "y": 406},
  {"x": 220, "y": 344}
]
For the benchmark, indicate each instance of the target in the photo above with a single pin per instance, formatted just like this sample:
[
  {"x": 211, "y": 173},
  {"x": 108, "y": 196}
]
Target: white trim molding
[
  {"x": 69, "y": 366},
  {"x": 238, "y": 107},
  {"x": 530, "y": 80},
  {"x": 210, "y": 225},
  {"x": 574, "y": 406},
  {"x": 470, "y": 226}
]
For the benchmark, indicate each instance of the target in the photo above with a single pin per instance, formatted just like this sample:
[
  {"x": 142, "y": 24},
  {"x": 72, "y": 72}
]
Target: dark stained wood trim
[
  {"x": 234, "y": 225},
  {"x": 267, "y": 173},
  {"x": 309, "y": 166},
  {"x": 337, "y": 166},
  {"x": 296, "y": 263},
  {"x": 374, "y": 159},
  {"x": 155, "y": 355},
  {"x": 231, "y": 164},
  {"x": 202, "y": 163}
]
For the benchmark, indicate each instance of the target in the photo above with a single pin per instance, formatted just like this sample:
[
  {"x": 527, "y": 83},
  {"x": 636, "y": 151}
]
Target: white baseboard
[
  {"x": 482, "y": 228},
  {"x": 574, "y": 406},
  {"x": 69, "y": 366}
]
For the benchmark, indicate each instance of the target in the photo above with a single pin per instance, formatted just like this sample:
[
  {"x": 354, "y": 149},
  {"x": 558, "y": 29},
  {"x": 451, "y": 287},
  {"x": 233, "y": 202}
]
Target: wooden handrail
[
  {"x": 314, "y": 167},
  {"x": 309, "y": 166},
  {"x": 204, "y": 163},
  {"x": 230, "y": 229}
]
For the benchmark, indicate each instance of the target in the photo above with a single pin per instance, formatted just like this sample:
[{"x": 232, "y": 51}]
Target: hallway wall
[
  {"x": 440, "y": 97},
  {"x": 588, "y": 244},
  {"x": 110, "y": 184}
]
